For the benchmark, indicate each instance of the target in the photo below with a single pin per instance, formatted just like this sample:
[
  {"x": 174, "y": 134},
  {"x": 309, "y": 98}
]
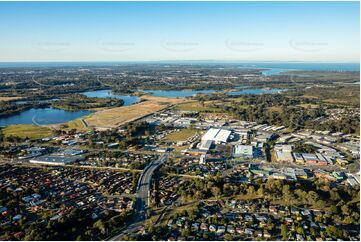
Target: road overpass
[{"x": 143, "y": 198}]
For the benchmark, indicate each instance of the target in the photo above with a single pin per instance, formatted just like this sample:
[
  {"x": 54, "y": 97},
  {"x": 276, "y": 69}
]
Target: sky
[{"x": 146, "y": 31}]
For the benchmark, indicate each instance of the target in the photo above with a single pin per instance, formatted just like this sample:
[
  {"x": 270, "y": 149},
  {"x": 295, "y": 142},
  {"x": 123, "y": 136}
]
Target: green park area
[
  {"x": 196, "y": 107},
  {"x": 26, "y": 130},
  {"x": 181, "y": 135}
]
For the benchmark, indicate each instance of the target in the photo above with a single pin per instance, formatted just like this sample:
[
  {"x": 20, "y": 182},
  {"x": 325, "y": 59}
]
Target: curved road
[{"x": 142, "y": 202}]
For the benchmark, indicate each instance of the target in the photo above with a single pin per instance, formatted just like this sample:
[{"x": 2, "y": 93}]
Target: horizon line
[{"x": 139, "y": 61}]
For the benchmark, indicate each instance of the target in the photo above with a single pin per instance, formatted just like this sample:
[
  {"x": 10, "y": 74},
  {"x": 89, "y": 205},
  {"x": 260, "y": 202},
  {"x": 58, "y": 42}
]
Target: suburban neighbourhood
[{"x": 180, "y": 120}]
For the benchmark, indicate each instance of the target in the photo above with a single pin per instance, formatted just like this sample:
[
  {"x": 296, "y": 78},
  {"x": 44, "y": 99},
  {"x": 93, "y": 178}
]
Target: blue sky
[{"x": 136, "y": 31}]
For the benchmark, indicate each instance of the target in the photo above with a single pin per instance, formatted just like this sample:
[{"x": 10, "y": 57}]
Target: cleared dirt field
[{"x": 114, "y": 117}]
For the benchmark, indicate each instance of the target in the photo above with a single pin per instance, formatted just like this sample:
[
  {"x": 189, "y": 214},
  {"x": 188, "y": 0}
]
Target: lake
[
  {"x": 45, "y": 116},
  {"x": 128, "y": 99},
  {"x": 42, "y": 116}
]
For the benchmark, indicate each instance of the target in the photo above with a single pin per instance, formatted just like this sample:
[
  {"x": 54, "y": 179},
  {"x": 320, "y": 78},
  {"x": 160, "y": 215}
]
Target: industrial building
[
  {"x": 55, "y": 160},
  {"x": 283, "y": 153},
  {"x": 217, "y": 135},
  {"x": 248, "y": 151},
  {"x": 244, "y": 151},
  {"x": 205, "y": 145}
]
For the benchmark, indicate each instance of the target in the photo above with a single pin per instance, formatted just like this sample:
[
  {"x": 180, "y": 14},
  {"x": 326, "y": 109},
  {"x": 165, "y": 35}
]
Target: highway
[{"x": 142, "y": 201}]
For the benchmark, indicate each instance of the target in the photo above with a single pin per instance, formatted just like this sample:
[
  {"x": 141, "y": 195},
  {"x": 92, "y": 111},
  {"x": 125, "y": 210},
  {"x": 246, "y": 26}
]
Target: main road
[{"x": 143, "y": 197}]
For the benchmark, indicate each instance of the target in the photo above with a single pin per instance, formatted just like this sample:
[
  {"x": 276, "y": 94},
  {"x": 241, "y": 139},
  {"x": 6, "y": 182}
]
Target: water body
[
  {"x": 178, "y": 93},
  {"x": 314, "y": 66},
  {"x": 43, "y": 116},
  {"x": 276, "y": 68},
  {"x": 128, "y": 100},
  {"x": 274, "y": 71},
  {"x": 256, "y": 91}
]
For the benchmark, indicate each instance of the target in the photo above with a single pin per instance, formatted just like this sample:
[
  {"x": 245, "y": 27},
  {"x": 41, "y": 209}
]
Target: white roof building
[
  {"x": 217, "y": 135},
  {"x": 205, "y": 145},
  {"x": 243, "y": 151},
  {"x": 284, "y": 156}
]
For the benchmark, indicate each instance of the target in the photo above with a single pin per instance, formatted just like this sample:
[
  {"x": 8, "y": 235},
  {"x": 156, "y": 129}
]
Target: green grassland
[
  {"x": 27, "y": 130},
  {"x": 196, "y": 107},
  {"x": 76, "y": 124},
  {"x": 181, "y": 135}
]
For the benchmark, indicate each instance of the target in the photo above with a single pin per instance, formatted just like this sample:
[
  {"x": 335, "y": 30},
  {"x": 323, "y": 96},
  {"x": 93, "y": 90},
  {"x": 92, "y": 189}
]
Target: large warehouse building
[
  {"x": 55, "y": 160},
  {"x": 217, "y": 135}
]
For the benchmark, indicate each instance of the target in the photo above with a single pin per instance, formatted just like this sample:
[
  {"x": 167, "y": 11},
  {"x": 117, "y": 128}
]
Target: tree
[
  {"x": 333, "y": 232},
  {"x": 270, "y": 224},
  {"x": 250, "y": 190},
  {"x": 333, "y": 209},
  {"x": 345, "y": 210},
  {"x": 284, "y": 232},
  {"x": 286, "y": 193},
  {"x": 300, "y": 231},
  {"x": 334, "y": 196},
  {"x": 216, "y": 191},
  {"x": 228, "y": 237},
  {"x": 99, "y": 225},
  {"x": 260, "y": 191}
]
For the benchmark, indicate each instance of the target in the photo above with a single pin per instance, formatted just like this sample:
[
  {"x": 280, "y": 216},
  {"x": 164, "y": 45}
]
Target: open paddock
[{"x": 114, "y": 117}]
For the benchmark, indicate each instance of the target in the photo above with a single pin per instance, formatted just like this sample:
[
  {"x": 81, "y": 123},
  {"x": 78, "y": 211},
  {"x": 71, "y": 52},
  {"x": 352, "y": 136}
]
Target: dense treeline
[
  {"x": 347, "y": 95},
  {"x": 129, "y": 137},
  {"x": 314, "y": 194},
  {"x": 78, "y": 102},
  {"x": 279, "y": 109}
]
